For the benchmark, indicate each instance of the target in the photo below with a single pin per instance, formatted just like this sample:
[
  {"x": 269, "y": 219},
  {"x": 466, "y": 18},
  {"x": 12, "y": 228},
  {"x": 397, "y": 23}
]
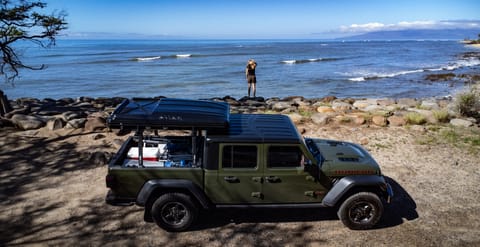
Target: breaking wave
[
  {"x": 457, "y": 65},
  {"x": 147, "y": 58},
  {"x": 183, "y": 55},
  {"x": 310, "y": 60}
]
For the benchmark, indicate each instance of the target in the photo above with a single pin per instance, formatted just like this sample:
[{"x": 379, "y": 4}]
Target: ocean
[{"x": 197, "y": 69}]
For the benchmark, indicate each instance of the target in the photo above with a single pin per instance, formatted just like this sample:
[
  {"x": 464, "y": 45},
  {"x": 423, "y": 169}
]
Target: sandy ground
[{"x": 52, "y": 194}]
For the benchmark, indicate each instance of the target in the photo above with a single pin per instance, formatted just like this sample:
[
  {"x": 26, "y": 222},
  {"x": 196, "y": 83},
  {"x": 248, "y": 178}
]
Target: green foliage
[
  {"x": 463, "y": 138},
  {"x": 21, "y": 21},
  {"x": 468, "y": 103},
  {"x": 442, "y": 116},
  {"x": 415, "y": 118}
]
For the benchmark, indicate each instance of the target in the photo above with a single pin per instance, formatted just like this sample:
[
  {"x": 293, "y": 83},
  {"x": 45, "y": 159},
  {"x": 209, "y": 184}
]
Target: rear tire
[
  {"x": 361, "y": 211},
  {"x": 174, "y": 212}
]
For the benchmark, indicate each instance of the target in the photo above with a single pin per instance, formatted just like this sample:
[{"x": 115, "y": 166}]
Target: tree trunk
[{"x": 5, "y": 106}]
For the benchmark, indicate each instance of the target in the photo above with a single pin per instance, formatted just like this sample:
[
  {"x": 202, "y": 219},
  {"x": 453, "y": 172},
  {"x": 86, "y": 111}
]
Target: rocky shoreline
[{"x": 90, "y": 113}]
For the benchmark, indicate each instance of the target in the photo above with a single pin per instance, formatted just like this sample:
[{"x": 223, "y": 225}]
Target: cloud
[{"x": 403, "y": 25}]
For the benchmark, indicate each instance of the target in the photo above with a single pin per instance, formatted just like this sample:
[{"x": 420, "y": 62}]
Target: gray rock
[
  {"x": 408, "y": 102},
  {"x": 396, "y": 121},
  {"x": 295, "y": 117},
  {"x": 69, "y": 115},
  {"x": 76, "y": 123},
  {"x": 55, "y": 124},
  {"x": 27, "y": 122},
  {"x": 429, "y": 105},
  {"x": 320, "y": 118},
  {"x": 281, "y": 105},
  {"x": 461, "y": 122},
  {"x": 341, "y": 106}
]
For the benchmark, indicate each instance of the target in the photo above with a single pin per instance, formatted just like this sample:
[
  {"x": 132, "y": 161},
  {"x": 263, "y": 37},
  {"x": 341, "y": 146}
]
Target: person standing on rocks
[{"x": 251, "y": 78}]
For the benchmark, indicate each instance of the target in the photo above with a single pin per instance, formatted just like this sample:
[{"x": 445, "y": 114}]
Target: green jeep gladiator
[{"x": 234, "y": 160}]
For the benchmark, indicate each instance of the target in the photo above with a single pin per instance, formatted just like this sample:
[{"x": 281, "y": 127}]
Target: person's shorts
[{"x": 251, "y": 79}]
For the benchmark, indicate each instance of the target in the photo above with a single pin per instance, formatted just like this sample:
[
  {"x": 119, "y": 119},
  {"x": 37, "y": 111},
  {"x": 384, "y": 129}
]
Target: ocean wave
[
  {"x": 450, "y": 67},
  {"x": 310, "y": 60},
  {"x": 183, "y": 55},
  {"x": 147, "y": 58}
]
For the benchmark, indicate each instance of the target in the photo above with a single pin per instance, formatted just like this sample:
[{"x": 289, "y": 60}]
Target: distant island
[{"x": 417, "y": 34}]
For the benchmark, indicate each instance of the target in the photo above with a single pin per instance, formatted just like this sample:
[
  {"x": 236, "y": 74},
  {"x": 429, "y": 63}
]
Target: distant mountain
[{"x": 415, "y": 34}]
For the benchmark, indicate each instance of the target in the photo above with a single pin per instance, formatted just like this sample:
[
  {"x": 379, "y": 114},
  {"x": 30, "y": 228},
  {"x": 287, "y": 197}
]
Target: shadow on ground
[{"x": 402, "y": 207}]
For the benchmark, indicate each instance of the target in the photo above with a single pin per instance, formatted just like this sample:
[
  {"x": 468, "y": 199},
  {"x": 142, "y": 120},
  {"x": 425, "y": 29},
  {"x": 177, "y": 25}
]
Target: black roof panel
[
  {"x": 273, "y": 128},
  {"x": 169, "y": 113}
]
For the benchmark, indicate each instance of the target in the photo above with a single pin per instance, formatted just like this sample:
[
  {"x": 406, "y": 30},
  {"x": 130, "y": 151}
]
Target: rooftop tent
[{"x": 141, "y": 113}]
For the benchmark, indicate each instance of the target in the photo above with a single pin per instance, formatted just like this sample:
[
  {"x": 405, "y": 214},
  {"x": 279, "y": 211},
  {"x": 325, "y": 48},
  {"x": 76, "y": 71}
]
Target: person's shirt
[{"x": 251, "y": 69}]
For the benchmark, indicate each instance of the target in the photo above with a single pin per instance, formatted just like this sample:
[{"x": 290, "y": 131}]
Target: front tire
[
  {"x": 361, "y": 211},
  {"x": 174, "y": 212}
]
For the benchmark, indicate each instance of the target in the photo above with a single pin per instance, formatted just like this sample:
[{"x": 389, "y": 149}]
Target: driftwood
[{"x": 5, "y": 106}]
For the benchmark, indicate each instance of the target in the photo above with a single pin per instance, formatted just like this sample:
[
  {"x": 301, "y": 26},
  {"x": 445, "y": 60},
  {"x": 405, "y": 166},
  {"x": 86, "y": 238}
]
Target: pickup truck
[{"x": 207, "y": 158}]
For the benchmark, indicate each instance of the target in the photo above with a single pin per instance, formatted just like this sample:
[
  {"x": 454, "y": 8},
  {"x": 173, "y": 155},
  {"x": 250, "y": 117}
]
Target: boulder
[
  {"x": 359, "y": 104},
  {"x": 295, "y": 117},
  {"x": 281, "y": 105},
  {"x": 429, "y": 105},
  {"x": 396, "y": 121},
  {"x": 77, "y": 123},
  {"x": 373, "y": 108},
  {"x": 320, "y": 118},
  {"x": 55, "y": 124},
  {"x": 328, "y": 99},
  {"x": 69, "y": 115},
  {"x": 461, "y": 122},
  {"x": 27, "y": 122},
  {"x": 341, "y": 106},
  {"x": 359, "y": 120},
  {"x": 408, "y": 102},
  {"x": 325, "y": 109},
  {"x": 386, "y": 102},
  {"x": 379, "y": 121}
]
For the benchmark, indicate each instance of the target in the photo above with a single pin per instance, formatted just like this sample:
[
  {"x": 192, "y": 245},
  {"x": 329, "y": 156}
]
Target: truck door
[
  {"x": 285, "y": 180},
  {"x": 240, "y": 174}
]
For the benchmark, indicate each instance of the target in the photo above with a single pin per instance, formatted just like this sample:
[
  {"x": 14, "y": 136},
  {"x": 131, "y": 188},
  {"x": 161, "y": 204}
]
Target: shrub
[
  {"x": 468, "y": 103},
  {"x": 415, "y": 118},
  {"x": 442, "y": 116}
]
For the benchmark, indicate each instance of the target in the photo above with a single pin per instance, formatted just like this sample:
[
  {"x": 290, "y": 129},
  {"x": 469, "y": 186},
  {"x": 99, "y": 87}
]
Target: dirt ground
[{"x": 53, "y": 190}]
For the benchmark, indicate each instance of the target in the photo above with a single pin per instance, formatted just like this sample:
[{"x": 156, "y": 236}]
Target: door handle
[
  {"x": 257, "y": 179},
  {"x": 273, "y": 179},
  {"x": 257, "y": 195},
  {"x": 231, "y": 179}
]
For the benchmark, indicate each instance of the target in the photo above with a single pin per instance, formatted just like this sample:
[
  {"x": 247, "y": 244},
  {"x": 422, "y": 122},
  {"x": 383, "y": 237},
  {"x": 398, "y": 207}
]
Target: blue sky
[{"x": 262, "y": 18}]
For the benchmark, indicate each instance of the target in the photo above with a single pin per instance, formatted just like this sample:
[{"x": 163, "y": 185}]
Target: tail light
[{"x": 110, "y": 181}]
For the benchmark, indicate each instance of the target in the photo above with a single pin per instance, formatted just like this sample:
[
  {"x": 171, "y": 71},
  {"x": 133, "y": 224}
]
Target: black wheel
[
  {"x": 361, "y": 211},
  {"x": 174, "y": 212}
]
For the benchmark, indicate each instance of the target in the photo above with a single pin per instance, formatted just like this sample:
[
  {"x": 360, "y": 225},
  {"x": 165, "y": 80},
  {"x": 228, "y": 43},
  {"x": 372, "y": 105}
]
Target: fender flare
[
  {"x": 152, "y": 185},
  {"x": 346, "y": 183}
]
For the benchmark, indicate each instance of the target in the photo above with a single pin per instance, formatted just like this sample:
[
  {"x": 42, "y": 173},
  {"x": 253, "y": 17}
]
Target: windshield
[{"x": 314, "y": 150}]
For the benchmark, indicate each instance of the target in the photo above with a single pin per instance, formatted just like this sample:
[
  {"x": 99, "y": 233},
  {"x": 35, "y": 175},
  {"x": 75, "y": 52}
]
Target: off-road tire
[
  {"x": 361, "y": 211},
  {"x": 174, "y": 212}
]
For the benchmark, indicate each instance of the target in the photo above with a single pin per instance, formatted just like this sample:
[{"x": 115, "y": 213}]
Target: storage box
[{"x": 149, "y": 153}]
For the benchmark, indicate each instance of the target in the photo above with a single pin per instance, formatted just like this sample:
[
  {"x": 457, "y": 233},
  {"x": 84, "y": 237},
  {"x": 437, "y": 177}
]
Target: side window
[
  {"x": 284, "y": 157},
  {"x": 239, "y": 156}
]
